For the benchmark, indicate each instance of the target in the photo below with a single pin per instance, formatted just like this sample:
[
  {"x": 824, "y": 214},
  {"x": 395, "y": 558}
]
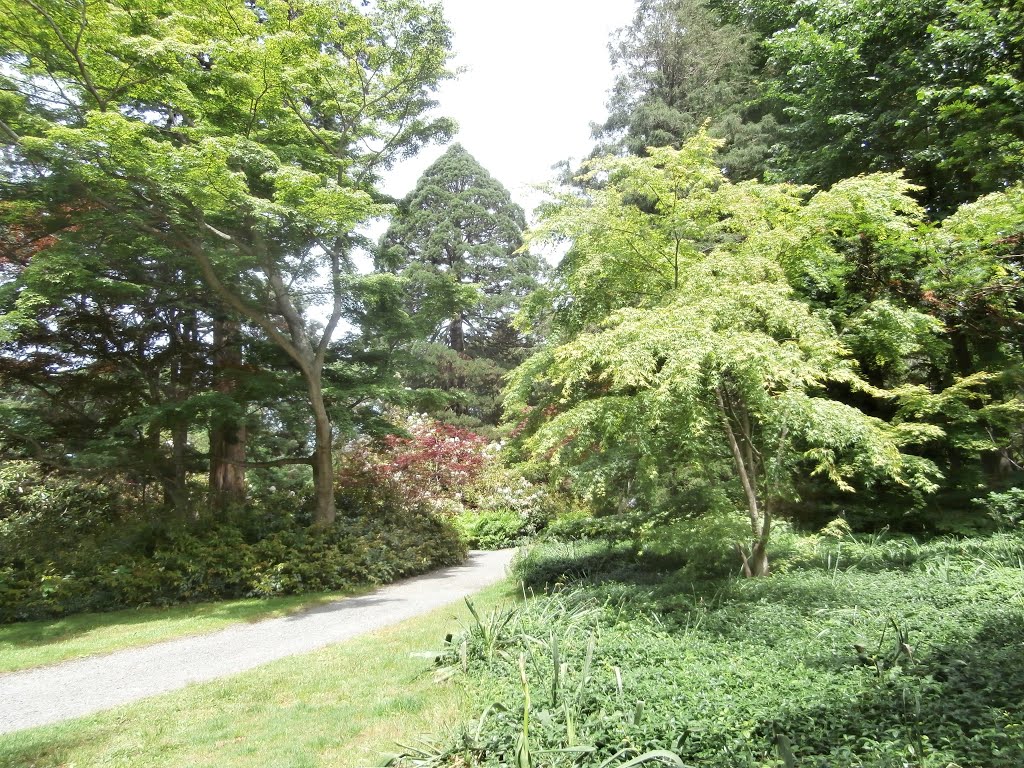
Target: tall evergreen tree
[
  {"x": 679, "y": 66},
  {"x": 457, "y": 242}
]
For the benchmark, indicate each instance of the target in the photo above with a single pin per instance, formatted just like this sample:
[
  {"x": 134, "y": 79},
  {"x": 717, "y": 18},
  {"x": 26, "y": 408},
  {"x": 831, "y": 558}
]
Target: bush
[
  {"x": 490, "y": 530},
  {"x": 578, "y": 524},
  {"x": 68, "y": 547},
  {"x": 703, "y": 547},
  {"x": 1006, "y": 508}
]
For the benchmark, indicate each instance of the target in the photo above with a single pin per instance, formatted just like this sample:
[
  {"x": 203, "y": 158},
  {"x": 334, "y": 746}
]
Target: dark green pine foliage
[
  {"x": 680, "y": 67},
  {"x": 456, "y": 243},
  {"x": 933, "y": 87}
]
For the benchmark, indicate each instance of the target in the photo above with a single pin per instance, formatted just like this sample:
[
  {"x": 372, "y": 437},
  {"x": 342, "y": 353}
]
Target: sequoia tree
[
  {"x": 246, "y": 135},
  {"x": 457, "y": 242},
  {"x": 678, "y": 66}
]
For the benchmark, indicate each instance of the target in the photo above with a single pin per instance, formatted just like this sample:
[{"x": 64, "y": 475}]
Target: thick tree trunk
[
  {"x": 457, "y": 342},
  {"x": 179, "y": 484},
  {"x": 227, "y": 435},
  {"x": 963, "y": 362},
  {"x": 182, "y": 382},
  {"x": 457, "y": 333},
  {"x": 755, "y": 561},
  {"x": 323, "y": 459},
  {"x": 227, "y": 464}
]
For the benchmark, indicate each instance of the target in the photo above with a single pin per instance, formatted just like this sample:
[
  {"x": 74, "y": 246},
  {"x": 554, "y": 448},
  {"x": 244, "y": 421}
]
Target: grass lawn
[
  {"x": 37, "y": 643},
  {"x": 341, "y": 706}
]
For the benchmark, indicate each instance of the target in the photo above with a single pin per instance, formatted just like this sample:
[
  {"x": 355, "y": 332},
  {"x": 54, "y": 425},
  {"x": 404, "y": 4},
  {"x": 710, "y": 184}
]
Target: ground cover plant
[{"x": 859, "y": 651}]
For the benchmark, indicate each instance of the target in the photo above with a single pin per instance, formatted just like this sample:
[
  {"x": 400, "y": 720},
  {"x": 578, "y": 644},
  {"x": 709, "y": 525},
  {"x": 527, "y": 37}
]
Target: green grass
[
  {"x": 339, "y": 707},
  {"x": 38, "y": 643}
]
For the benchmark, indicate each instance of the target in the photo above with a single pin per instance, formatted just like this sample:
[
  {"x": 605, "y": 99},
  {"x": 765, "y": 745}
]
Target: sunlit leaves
[{"x": 720, "y": 354}]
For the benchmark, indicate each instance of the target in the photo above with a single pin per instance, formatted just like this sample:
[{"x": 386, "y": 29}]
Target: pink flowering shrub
[
  {"x": 429, "y": 469},
  {"x": 447, "y": 470},
  {"x": 437, "y": 461}
]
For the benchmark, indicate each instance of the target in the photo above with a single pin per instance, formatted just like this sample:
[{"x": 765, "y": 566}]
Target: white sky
[{"x": 537, "y": 74}]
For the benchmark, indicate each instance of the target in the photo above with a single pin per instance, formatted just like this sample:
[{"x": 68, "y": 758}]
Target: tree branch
[
  {"x": 737, "y": 454},
  {"x": 87, "y": 82},
  {"x": 10, "y": 133}
]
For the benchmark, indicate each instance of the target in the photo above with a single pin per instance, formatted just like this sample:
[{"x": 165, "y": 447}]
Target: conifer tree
[
  {"x": 679, "y": 65},
  {"x": 457, "y": 242}
]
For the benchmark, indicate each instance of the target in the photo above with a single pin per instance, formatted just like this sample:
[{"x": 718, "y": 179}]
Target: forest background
[{"x": 791, "y": 287}]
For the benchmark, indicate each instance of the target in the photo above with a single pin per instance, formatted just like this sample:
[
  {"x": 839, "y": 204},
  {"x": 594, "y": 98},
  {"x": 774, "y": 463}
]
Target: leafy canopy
[{"x": 682, "y": 342}]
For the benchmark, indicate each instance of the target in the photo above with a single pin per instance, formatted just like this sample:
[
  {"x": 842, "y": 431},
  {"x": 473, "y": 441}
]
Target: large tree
[
  {"x": 102, "y": 353},
  {"x": 682, "y": 341},
  {"x": 680, "y": 66},
  {"x": 933, "y": 87},
  {"x": 245, "y": 135},
  {"x": 457, "y": 242}
]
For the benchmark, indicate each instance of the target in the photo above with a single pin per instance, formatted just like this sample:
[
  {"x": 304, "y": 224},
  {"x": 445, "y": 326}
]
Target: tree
[
  {"x": 680, "y": 66},
  {"x": 457, "y": 242},
  {"x": 245, "y": 135},
  {"x": 932, "y": 87},
  {"x": 101, "y": 352},
  {"x": 711, "y": 355}
]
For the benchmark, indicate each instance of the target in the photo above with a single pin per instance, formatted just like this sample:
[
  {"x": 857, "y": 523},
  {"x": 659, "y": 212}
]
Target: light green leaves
[{"x": 684, "y": 338}]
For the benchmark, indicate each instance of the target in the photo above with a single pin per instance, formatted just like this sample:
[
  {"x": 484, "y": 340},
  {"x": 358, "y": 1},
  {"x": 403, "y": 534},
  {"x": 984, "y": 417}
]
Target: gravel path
[{"x": 50, "y": 694}]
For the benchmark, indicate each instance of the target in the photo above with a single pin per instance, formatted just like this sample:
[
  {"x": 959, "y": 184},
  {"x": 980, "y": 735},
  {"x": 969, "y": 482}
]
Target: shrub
[
  {"x": 1006, "y": 508},
  {"x": 704, "y": 547},
  {"x": 490, "y": 529},
  {"x": 64, "y": 552}
]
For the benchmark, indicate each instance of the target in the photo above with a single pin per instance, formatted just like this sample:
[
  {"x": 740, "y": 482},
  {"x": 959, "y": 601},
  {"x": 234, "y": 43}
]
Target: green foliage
[
  {"x": 68, "y": 547},
  {"x": 493, "y": 529},
  {"x": 871, "y": 85},
  {"x": 243, "y": 138},
  {"x": 555, "y": 564},
  {"x": 456, "y": 241},
  {"x": 505, "y": 506},
  {"x": 1005, "y": 508},
  {"x": 828, "y": 665},
  {"x": 705, "y": 546},
  {"x": 680, "y": 66},
  {"x": 683, "y": 344}
]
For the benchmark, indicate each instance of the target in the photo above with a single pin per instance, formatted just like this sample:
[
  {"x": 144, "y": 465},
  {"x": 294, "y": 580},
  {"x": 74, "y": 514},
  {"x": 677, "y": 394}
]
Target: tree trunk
[
  {"x": 183, "y": 343},
  {"x": 755, "y": 562},
  {"x": 296, "y": 343},
  {"x": 457, "y": 334},
  {"x": 227, "y": 435},
  {"x": 179, "y": 484},
  {"x": 963, "y": 362},
  {"x": 323, "y": 459}
]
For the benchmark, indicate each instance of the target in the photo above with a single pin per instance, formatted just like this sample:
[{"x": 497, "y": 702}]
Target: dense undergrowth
[
  {"x": 856, "y": 652},
  {"x": 408, "y": 503},
  {"x": 68, "y": 547}
]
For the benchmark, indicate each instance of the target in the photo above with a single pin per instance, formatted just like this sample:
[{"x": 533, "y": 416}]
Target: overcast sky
[{"x": 536, "y": 75}]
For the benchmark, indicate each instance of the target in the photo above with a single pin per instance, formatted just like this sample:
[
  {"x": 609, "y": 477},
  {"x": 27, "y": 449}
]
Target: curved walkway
[{"x": 83, "y": 686}]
